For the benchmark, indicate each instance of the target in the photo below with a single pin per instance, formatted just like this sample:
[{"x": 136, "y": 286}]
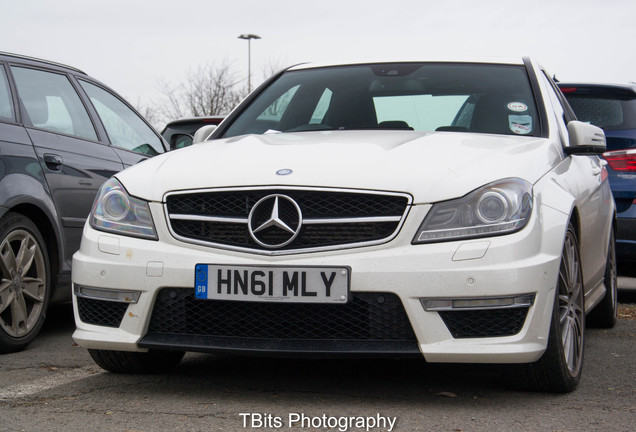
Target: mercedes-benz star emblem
[{"x": 275, "y": 221}]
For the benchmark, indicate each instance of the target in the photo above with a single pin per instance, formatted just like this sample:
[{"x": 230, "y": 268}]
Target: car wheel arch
[
  {"x": 26, "y": 274},
  {"x": 34, "y": 201},
  {"x": 576, "y": 221},
  {"x": 50, "y": 233},
  {"x": 556, "y": 371}
]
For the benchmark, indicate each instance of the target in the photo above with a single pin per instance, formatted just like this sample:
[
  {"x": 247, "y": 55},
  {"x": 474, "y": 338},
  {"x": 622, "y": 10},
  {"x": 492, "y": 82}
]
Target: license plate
[{"x": 272, "y": 284}]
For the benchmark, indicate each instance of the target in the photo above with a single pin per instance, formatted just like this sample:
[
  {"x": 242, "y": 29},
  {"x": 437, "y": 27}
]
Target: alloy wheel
[
  {"x": 571, "y": 307},
  {"x": 23, "y": 284}
]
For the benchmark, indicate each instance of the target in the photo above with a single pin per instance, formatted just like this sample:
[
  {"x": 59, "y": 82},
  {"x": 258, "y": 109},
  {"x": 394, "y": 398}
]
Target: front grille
[
  {"x": 484, "y": 323},
  {"x": 101, "y": 312},
  {"x": 368, "y": 317},
  {"x": 330, "y": 219}
]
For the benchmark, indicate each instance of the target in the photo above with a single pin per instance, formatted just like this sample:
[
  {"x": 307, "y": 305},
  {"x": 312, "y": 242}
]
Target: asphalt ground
[{"x": 54, "y": 386}]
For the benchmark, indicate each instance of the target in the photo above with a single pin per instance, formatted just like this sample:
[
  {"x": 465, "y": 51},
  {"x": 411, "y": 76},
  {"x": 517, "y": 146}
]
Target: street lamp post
[{"x": 249, "y": 38}]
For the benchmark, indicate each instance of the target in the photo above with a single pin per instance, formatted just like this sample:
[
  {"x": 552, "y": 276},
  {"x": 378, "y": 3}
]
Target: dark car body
[
  {"x": 180, "y": 133},
  {"x": 613, "y": 108},
  {"x": 62, "y": 134}
]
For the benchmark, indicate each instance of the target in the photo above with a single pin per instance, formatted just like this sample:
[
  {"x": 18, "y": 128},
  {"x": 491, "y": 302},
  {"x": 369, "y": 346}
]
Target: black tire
[
  {"x": 25, "y": 287},
  {"x": 559, "y": 368},
  {"x": 136, "y": 362},
  {"x": 605, "y": 314}
]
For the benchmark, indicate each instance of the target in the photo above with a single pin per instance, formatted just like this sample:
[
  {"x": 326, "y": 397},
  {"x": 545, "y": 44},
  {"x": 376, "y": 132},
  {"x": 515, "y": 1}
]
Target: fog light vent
[
  {"x": 484, "y": 323},
  {"x": 101, "y": 313}
]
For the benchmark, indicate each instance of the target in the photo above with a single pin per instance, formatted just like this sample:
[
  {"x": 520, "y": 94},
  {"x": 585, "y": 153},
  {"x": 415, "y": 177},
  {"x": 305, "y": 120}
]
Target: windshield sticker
[
  {"x": 520, "y": 124},
  {"x": 517, "y": 106}
]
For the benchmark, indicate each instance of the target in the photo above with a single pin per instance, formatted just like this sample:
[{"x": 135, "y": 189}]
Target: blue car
[{"x": 613, "y": 108}]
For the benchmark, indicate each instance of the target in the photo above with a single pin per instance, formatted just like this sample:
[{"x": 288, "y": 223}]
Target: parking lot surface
[{"x": 54, "y": 386}]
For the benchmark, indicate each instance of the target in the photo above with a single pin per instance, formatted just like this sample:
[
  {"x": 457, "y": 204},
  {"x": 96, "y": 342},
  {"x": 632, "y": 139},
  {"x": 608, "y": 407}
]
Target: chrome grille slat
[
  {"x": 207, "y": 218},
  {"x": 305, "y": 221},
  {"x": 332, "y": 218}
]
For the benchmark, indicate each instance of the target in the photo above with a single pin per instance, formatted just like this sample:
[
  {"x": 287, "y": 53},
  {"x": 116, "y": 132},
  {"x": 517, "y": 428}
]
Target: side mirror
[
  {"x": 203, "y": 133},
  {"x": 178, "y": 141},
  {"x": 585, "y": 139}
]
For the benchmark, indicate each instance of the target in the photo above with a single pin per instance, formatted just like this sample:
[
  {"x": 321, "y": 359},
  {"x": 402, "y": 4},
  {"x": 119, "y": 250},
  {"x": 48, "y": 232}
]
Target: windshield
[{"x": 408, "y": 96}]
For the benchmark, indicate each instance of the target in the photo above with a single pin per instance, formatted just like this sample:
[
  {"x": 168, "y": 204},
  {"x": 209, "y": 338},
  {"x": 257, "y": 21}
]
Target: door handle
[{"x": 53, "y": 162}]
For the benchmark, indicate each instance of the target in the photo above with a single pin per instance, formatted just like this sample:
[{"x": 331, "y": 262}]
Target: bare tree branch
[
  {"x": 272, "y": 67},
  {"x": 206, "y": 90}
]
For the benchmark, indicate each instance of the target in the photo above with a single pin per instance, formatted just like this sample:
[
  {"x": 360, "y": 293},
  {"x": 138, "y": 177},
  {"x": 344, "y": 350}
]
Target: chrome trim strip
[
  {"x": 515, "y": 301},
  {"x": 287, "y": 187},
  {"x": 129, "y": 296},
  {"x": 221, "y": 219},
  {"x": 352, "y": 220},
  {"x": 199, "y": 218}
]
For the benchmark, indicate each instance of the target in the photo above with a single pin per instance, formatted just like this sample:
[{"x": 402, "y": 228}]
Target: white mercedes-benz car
[{"x": 450, "y": 210}]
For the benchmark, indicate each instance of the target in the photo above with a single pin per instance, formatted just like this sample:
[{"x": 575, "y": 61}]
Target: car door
[
  {"x": 130, "y": 136},
  {"x": 16, "y": 155},
  {"x": 590, "y": 176},
  {"x": 74, "y": 161}
]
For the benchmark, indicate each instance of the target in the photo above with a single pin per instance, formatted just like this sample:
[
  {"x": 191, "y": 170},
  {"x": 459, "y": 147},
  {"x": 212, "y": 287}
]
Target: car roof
[
  {"x": 34, "y": 61},
  {"x": 491, "y": 60},
  {"x": 195, "y": 120},
  {"x": 598, "y": 88}
]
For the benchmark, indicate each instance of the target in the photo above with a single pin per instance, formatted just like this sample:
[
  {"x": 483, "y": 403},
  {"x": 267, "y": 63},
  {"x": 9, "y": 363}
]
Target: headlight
[
  {"x": 502, "y": 207},
  {"x": 116, "y": 211}
]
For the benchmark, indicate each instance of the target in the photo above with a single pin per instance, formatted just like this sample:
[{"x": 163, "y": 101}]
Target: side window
[
  {"x": 560, "y": 112},
  {"x": 52, "y": 103},
  {"x": 6, "y": 105},
  {"x": 124, "y": 127},
  {"x": 568, "y": 113}
]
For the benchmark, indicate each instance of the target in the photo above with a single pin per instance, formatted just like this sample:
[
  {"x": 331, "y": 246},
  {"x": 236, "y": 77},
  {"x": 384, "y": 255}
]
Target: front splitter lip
[{"x": 283, "y": 348}]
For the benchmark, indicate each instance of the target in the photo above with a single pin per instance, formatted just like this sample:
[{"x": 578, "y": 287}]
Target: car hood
[{"x": 431, "y": 166}]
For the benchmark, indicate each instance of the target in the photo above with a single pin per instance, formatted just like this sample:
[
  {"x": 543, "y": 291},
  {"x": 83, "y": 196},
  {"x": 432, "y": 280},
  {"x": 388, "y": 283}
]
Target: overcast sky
[{"x": 131, "y": 45}]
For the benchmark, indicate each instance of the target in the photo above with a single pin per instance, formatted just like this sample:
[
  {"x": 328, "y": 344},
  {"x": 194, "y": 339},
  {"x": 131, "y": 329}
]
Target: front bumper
[{"x": 520, "y": 265}]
